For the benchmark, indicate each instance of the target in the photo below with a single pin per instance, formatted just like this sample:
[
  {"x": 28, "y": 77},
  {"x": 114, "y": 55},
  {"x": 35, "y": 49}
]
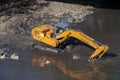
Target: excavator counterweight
[{"x": 56, "y": 36}]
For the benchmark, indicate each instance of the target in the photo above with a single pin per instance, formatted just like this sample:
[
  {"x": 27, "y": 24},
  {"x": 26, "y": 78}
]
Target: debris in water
[
  {"x": 76, "y": 57},
  {"x": 14, "y": 56},
  {"x": 3, "y": 56},
  {"x": 89, "y": 60},
  {"x": 47, "y": 62}
]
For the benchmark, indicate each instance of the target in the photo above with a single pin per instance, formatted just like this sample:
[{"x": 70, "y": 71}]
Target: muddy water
[{"x": 103, "y": 26}]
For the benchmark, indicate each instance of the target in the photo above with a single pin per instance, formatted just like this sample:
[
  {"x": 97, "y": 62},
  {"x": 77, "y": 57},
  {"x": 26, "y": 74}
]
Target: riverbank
[{"x": 21, "y": 16}]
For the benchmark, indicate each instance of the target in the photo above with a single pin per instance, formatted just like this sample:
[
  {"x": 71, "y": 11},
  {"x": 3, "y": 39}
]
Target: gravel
[{"x": 18, "y": 17}]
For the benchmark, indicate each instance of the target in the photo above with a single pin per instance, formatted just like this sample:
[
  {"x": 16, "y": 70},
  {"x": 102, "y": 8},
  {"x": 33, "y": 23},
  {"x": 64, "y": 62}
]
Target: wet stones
[
  {"x": 14, "y": 56},
  {"x": 77, "y": 12},
  {"x": 4, "y": 54}
]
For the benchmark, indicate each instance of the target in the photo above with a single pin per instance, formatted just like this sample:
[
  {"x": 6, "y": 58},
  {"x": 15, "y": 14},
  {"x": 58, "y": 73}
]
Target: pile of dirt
[{"x": 22, "y": 15}]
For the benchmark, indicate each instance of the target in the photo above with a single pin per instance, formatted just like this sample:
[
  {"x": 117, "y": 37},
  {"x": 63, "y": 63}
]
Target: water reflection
[
  {"x": 75, "y": 69},
  {"x": 102, "y": 23}
]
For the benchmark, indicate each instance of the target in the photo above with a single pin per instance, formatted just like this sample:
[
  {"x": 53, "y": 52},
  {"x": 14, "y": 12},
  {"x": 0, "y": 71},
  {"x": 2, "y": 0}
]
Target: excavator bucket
[{"x": 99, "y": 52}]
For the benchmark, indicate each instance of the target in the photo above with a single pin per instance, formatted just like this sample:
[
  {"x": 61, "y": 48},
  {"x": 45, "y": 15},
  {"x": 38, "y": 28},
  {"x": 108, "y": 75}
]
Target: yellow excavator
[{"x": 53, "y": 37}]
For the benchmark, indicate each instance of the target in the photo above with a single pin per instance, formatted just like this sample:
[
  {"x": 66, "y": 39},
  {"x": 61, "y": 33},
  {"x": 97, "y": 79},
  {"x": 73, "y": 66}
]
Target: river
[{"x": 103, "y": 26}]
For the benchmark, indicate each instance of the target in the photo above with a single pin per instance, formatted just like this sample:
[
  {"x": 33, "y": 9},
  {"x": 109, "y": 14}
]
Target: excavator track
[{"x": 44, "y": 47}]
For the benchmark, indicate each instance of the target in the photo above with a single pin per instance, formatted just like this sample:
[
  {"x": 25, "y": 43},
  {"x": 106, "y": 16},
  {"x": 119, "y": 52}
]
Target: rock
[
  {"x": 3, "y": 56},
  {"x": 14, "y": 56},
  {"x": 47, "y": 62},
  {"x": 76, "y": 57}
]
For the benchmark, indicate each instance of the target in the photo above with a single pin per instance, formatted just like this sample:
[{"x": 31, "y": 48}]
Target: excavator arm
[{"x": 100, "y": 49}]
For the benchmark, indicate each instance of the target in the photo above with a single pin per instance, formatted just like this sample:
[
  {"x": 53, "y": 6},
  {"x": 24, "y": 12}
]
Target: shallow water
[{"x": 103, "y": 26}]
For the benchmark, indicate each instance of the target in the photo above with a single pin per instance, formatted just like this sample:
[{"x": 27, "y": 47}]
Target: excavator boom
[{"x": 99, "y": 48}]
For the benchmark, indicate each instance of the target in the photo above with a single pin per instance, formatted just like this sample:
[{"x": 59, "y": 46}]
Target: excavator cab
[
  {"x": 60, "y": 26},
  {"x": 58, "y": 30}
]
